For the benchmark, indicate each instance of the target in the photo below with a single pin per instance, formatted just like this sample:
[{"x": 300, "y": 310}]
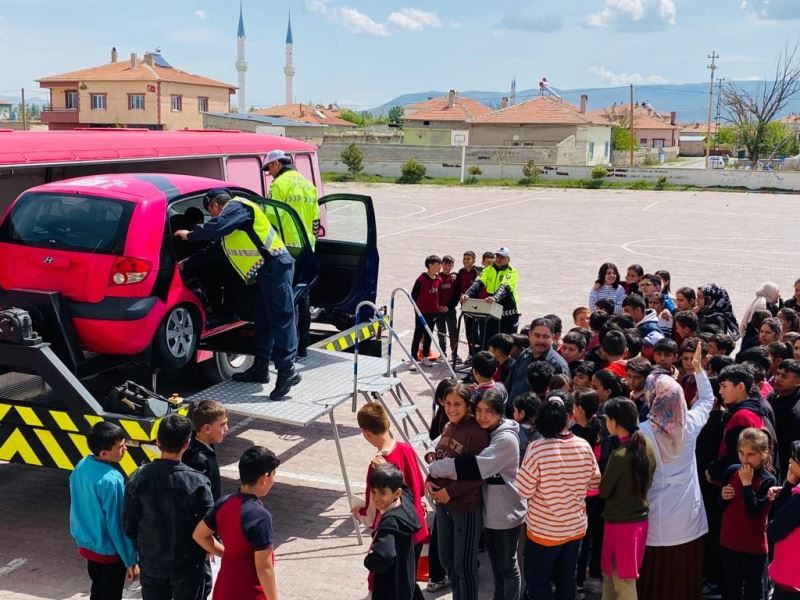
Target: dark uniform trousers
[{"x": 273, "y": 312}]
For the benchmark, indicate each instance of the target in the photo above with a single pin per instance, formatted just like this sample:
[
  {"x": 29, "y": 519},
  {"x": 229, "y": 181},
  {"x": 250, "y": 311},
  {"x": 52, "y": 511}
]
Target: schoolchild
[
  {"x": 500, "y": 345},
  {"x": 526, "y": 409},
  {"x": 573, "y": 348},
  {"x": 210, "y": 424},
  {"x": 446, "y": 322},
  {"x": 685, "y": 299},
  {"x": 580, "y": 316},
  {"x": 784, "y": 532},
  {"x": 426, "y": 296},
  {"x": 720, "y": 344},
  {"x": 665, "y": 354},
  {"x": 637, "y": 370},
  {"x": 582, "y": 375}
]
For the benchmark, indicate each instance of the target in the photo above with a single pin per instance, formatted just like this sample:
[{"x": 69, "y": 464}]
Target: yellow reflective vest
[
  {"x": 242, "y": 253},
  {"x": 299, "y": 193},
  {"x": 493, "y": 280}
]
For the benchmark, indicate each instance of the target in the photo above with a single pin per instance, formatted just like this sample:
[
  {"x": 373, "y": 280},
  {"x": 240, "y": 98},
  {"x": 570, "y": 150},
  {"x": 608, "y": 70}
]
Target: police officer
[
  {"x": 259, "y": 256},
  {"x": 291, "y": 187},
  {"x": 498, "y": 283}
]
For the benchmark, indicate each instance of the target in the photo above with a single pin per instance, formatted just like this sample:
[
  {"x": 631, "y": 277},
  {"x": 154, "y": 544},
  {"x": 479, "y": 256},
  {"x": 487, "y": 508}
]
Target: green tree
[
  {"x": 622, "y": 139},
  {"x": 353, "y": 117},
  {"x": 396, "y": 116},
  {"x": 354, "y": 159},
  {"x": 412, "y": 171}
]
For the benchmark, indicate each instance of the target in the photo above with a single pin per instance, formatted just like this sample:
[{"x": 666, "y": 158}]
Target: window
[
  {"x": 643, "y": 141},
  {"x": 202, "y": 104},
  {"x": 71, "y": 99},
  {"x": 426, "y": 123},
  {"x": 658, "y": 143},
  {"x": 177, "y": 103},
  {"x": 135, "y": 101},
  {"x": 605, "y": 150},
  {"x": 591, "y": 150},
  {"x": 98, "y": 101}
]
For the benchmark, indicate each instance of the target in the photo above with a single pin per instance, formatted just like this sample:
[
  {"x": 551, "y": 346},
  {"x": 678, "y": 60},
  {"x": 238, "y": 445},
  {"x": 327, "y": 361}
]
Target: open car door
[{"x": 347, "y": 252}]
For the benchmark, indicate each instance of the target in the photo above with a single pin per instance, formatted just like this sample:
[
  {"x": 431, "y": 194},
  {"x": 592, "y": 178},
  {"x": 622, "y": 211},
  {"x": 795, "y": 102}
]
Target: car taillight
[{"x": 129, "y": 270}]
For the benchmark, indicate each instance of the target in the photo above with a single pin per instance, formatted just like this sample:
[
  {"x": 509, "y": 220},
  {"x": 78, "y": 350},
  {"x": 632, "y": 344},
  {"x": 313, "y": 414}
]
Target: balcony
[{"x": 57, "y": 115}]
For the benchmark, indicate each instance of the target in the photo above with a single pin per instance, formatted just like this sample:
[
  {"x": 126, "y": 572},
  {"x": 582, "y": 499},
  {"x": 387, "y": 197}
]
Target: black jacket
[
  {"x": 164, "y": 501},
  {"x": 203, "y": 458},
  {"x": 391, "y": 558},
  {"x": 787, "y": 425}
]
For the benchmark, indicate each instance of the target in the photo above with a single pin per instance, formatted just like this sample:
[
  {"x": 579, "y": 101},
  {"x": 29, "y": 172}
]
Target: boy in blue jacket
[{"x": 96, "y": 490}]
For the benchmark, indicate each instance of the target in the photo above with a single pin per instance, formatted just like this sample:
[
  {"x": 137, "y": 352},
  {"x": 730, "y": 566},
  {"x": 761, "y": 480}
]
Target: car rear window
[{"x": 69, "y": 222}]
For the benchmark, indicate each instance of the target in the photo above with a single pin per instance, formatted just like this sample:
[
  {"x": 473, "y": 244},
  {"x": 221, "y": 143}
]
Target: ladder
[{"x": 387, "y": 389}]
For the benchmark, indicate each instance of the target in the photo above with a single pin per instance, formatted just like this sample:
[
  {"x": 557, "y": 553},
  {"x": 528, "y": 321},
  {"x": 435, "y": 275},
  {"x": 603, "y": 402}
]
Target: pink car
[{"x": 104, "y": 245}]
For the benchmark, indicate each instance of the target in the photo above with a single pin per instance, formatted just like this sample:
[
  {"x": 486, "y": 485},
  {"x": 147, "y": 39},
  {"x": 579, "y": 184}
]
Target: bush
[
  {"x": 354, "y": 159},
  {"x": 412, "y": 171},
  {"x": 599, "y": 173},
  {"x": 641, "y": 185},
  {"x": 661, "y": 183},
  {"x": 530, "y": 173},
  {"x": 475, "y": 171}
]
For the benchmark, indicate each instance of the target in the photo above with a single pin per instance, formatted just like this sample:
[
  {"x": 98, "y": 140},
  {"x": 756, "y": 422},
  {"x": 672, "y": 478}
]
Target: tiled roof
[
  {"x": 122, "y": 71},
  {"x": 4, "y": 102},
  {"x": 436, "y": 109},
  {"x": 306, "y": 113},
  {"x": 700, "y": 128},
  {"x": 539, "y": 110},
  {"x": 792, "y": 119},
  {"x": 642, "y": 117}
]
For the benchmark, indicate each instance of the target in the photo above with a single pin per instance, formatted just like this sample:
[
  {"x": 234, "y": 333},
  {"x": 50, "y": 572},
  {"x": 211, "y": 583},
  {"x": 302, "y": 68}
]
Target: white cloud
[
  {"x": 772, "y": 9},
  {"x": 200, "y": 14},
  {"x": 414, "y": 19},
  {"x": 317, "y": 6},
  {"x": 615, "y": 79},
  {"x": 358, "y": 22},
  {"x": 633, "y": 12}
]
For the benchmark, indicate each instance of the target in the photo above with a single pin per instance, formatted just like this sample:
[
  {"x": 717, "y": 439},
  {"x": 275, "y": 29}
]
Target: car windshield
[{"x": 68, "y": 222}]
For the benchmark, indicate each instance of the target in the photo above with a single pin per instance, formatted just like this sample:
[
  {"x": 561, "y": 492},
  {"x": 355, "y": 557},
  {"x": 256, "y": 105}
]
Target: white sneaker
[
  {"x": 426, "y": 363},
  {"x": 412, "y": 366},
  {"x": 593, "y": 585},
  {"x": 435, "y": 586}
]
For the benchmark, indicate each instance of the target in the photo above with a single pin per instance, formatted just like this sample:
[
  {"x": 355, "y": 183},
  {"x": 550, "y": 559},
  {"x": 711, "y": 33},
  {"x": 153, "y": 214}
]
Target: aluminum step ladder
[{"x": 404, "y": 413}]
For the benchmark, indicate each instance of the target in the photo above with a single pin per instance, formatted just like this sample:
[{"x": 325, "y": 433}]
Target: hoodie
[
  {"x": 649, "y": 325},
  {"x": 496, "y": 466},
  {"x": 391, "y": 558}
]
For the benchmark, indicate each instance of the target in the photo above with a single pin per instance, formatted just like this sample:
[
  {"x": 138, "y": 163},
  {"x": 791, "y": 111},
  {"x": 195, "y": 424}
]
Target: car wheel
[
  {"x": 176, "y": 338},
  {"x": 223, "y": 365}
]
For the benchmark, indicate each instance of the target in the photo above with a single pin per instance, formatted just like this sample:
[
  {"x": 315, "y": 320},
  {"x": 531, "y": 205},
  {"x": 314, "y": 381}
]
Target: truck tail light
[{"x": 129, "y": 270}]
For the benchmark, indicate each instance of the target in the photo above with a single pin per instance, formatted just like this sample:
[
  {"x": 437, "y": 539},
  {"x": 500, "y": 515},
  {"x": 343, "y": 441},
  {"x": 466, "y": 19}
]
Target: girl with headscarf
[
  {"x": 714, "y": 306},
  {"x": 767, "y": 298},
  {"x": 673, "y": 560}
]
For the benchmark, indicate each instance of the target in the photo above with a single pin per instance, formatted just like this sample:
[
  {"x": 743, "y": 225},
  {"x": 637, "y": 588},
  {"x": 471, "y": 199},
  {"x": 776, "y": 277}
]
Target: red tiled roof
[
  {"x": 306, "y": 113},
  {"x": 792, "y": 119},
  {"x": 642, "y": 117},
  {"x": 122, "y": 71},
  {"x": 539, "y": 110},
  {"x": 697, "y": 128},
  {"x": 437, "y": 109}
]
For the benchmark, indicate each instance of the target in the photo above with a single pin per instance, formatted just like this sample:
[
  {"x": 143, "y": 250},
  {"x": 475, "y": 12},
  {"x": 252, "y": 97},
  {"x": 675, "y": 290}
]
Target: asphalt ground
[{"x": 558, "y": 239}]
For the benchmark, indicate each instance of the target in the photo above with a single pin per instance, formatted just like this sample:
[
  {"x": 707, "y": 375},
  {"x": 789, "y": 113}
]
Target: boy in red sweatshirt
[{"x": 426, "y": 295}]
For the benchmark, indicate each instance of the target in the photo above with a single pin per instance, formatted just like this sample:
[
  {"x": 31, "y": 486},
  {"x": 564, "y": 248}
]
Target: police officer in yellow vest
[
  {"x": 291, "y": 187},
  {"x": 259, "y": 256},
  {"x": 498, "y": 283}
]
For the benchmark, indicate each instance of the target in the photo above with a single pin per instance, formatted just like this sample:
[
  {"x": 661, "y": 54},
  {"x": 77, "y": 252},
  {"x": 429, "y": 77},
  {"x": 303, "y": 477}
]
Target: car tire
[
  {"x": 176, "y": 338},
  {"x": 223, "y": 365}
]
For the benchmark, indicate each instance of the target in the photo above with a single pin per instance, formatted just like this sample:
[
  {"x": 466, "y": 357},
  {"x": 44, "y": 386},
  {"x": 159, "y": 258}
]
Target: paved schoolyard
[{"x": 558, "y": 239}]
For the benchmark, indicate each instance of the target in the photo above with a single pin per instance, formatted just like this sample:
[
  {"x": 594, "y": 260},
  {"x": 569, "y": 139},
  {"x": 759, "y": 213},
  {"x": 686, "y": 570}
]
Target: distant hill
[{"x": 689, "y": 100}]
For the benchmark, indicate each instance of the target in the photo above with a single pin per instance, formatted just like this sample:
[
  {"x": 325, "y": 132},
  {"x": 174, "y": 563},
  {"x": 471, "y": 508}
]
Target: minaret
[
  {"x": 241, "y": 64},
  {"x": 288, "y": 70},
  {"x": 513, "y": 99}
]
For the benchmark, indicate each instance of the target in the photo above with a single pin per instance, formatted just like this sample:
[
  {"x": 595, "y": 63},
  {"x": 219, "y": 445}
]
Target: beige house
[
  {"x": 651, "y": 128},
  {"x": 546, "y": 121},
  {"x": 308, "y": 113},
  {"x": 142, "y": 92},
  {"x": 430, "y": 123}
]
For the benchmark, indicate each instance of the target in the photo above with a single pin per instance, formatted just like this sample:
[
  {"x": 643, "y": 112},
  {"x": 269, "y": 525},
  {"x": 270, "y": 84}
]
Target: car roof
[
  {"x": 135, "y": 187},
  {"x": 64, "y": 147}
]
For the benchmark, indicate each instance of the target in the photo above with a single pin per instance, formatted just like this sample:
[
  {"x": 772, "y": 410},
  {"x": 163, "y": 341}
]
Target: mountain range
[{"x": 688, "y": 100}]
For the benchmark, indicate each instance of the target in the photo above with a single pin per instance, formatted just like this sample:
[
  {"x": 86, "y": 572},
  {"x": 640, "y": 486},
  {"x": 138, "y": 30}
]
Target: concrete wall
[
  {"x": 595, "y": 141},
  {"x": 642, "y": 156},
  {"x": 435, "y": 134},
  {"x": 494, "y": 134},
  {"x": 754, "y": 180},
  {"x": 310, "y": 134}
]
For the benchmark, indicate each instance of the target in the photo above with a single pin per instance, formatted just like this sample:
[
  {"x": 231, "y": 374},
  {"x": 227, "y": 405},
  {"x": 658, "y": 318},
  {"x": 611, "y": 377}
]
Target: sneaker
[
  {"x": 710, "y": 590},
  {"x": 593, "y": 585},
  {"x": 412, "y": 366},
  {"x": 435, "y": 586},
  {"x": 426, "y": 363},
  {"x": 457, "y": 359}
]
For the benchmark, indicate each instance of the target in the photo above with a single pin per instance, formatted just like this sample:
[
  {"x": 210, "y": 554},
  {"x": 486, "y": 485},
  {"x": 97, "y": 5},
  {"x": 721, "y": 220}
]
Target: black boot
[
  {"x": 286, "y": 379},
  {"x": 258, "y": 373}
]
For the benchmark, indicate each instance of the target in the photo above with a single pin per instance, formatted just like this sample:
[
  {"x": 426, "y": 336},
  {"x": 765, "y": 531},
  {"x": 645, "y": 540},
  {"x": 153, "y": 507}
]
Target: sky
[{"x": 362, "y": 53}]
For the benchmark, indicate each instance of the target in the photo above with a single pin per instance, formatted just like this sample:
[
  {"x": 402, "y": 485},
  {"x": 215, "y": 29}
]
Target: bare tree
[{"x": 751, "y": 113}]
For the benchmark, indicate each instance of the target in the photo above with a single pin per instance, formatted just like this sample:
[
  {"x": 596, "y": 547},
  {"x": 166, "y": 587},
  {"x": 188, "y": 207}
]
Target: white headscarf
[{"x": 768, "y": 292}]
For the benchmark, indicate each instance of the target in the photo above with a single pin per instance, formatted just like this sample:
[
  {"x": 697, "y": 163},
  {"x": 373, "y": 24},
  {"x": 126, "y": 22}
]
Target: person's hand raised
[{"x": 697, "y": 359}]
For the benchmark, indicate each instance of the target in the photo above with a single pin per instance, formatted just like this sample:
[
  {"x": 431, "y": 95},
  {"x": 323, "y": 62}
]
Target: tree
[
  {"x": 352, "y": 116},
  {"x": 751, "y": 113},
  {"x": 412, "y": 171},
  {"x": 354, "y": 159},
  {"x": 396, "y": 116},
  {"x": 622, "y": 139}
]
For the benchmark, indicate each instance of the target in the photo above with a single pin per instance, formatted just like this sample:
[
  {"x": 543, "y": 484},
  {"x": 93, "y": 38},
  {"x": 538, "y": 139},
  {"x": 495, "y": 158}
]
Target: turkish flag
[{"x": 151, "y": 88}]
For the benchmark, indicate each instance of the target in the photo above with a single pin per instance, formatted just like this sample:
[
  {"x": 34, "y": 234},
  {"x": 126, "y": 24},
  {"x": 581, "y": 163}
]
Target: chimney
[
  {"x": 451, "y": 99},
  {"x": 504, "y": 102},
  {"x": 673, "y": 116},
  {"x": 584, "y": 102},
  {"x": 148, "y": 58},
  {"x": 133, "y": 60},
  {"x": 113, "y": 55}
]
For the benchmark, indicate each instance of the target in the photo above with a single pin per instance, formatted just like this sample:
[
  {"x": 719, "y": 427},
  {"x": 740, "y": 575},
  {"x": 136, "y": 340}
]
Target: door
[{"x": 347, "y": 251}]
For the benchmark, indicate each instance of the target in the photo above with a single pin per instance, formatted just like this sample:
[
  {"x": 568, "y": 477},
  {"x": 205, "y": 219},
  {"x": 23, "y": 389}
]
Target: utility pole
[
  {"x": 24, "y": 110},
  {"x": 720, "y": 81},
  {"x": 633, "y": 136},
  {"x": 713, "y": 66}
]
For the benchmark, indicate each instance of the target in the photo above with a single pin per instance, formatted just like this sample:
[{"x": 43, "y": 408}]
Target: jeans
[
  {"x": 108, "y": 580},
  {"x": 459, "y": 534},
  {"x": 421, "y": 335},
  {"x": 547, "y": 565},
  {"x": 303, "y": 315},
  {"x": 502, "y": 547},
  {"x": 743, "y": 575},
  {"x": 446, "y": 323},
  {"x": 273, "y": 313},
  {"x": 187, "y": 583}
]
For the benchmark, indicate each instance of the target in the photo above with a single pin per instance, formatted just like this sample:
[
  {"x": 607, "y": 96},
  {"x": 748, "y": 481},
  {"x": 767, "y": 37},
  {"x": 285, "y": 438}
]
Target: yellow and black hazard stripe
[
  {"x": 55, "y": 438},
  {"x": 347, "y": 339}
]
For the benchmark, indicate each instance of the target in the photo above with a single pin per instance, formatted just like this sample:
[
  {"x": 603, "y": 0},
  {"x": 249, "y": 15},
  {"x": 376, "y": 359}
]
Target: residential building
[
  {"x": 693, "y": 138},
  {"x": 6, "y": 108},
  {"x": 793, "y": 121},
  {"x": 143, "y": 92},
  {"x": 251, "y": 122},
  {"x": 431, "y": 122},
  {"x": 546, "y": 121},
  {"x": 307, "y": 113},
  {"x": 651, "y": 128}
]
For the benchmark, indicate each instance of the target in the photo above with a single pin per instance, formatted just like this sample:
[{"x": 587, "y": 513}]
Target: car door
[{"x": 347, "y": 252}]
